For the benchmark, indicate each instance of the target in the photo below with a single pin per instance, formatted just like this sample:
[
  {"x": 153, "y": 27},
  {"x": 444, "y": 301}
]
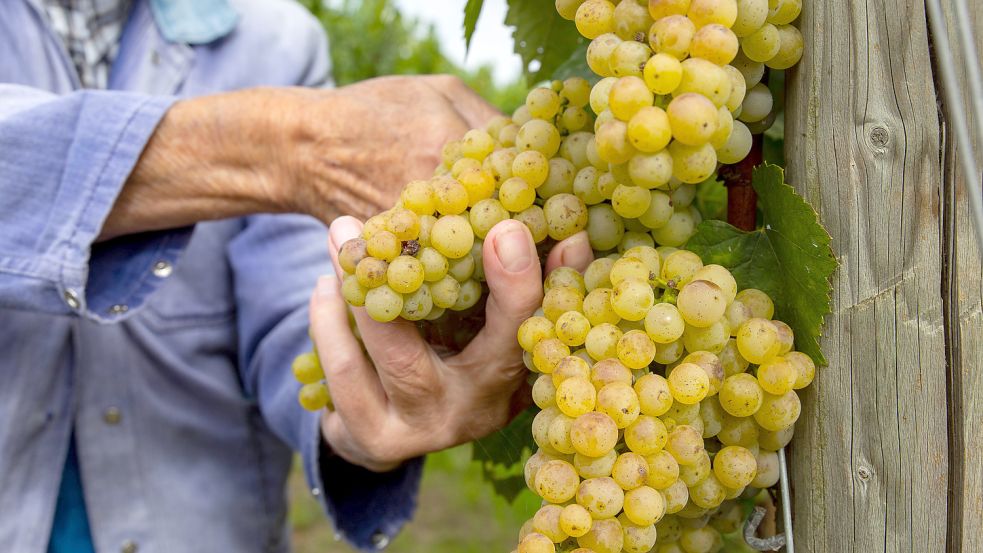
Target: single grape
[
  {"x": 662, "y": 73},
  {"x": 538, "y": 135},
  {"x": 707, "y": 12},
  {"x": 351, "y": 253},
  {"x": 352, "y": 291},
  {"x": 605, "y": 536},
  {"x": 688, "y": 383},
  {"x": 547, "y": 353},
  {"x": 452, "y": 236},
  {"x": 630, "y": 470},
  {"x": 663, "y": 470},
  {"x": 709, "y": 493},
  {"x": 371, "y": 272},
  {"x": 628, "y": 95},
  {"x": 535, "y": 220},
  {"x": 791, "y": 47},
  {"x": 763, "y": 44},
  {"x": 575, "y": 397},
  {"x": 558, "y": 434},
  {"x": 652, "y": 171},
  {"x": 757, "y": 340},
  {"x": 701, "y": 303},
  {"x": 677, "y": 494},
  {"x": 405, "y": 274},
  {"x": 715, "y": 43},
  {"x": 307, "y": 368},
  {"x": 628, "y": 58},
  {"x": 595, "y": 467},
  {"x": 619, "y": 402},
  {"x": 383, "y": 303},
  {"x": 713, "y": 338},
  {"x": 605, "y": 228},
  {"x": 445, "y": 292},
  {"x": 594, "y": 434},
  {"x": 450, "y": 197},
  {"x": 647, "y": 435},
  {"x": 741, "y": 395},
  {"x": 613, "y": 145},
  {"x": 685, "y": 444},
  {"x": 672, "y": 35},
  {"x": 609, "y": 371},
  {"x": 566, "y": 215},
  {"x": 561, "y": 299},
  {"x": 314, "y": 396},
  {"x": 695, "y": 473},
  {"x": 594, "y": 18},
  {"x": 575, "y": 520},
  {"x": 734, "y": 466},
  {"x": 602, "y": 497},
  {"x": 536, "y": 543},
  {"x": 805, "y": 368},
  {"x": 486, "y": 214},
  {"x": 630, "y": 201},
  {"x": 778, "y": 412},
  {"x": 692, "y": 163}
]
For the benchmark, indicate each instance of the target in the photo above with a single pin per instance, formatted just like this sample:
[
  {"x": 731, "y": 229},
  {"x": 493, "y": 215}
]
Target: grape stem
[{"x": 741, "y": 198}]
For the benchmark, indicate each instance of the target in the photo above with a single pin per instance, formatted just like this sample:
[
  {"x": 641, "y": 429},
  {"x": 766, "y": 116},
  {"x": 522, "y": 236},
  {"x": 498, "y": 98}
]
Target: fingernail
[
  {"x": 344, "y": 229},
  {"x": 576, "y": 252},
  {"x": 513, "y": 249},
  {"x": 327, "y": 286}
]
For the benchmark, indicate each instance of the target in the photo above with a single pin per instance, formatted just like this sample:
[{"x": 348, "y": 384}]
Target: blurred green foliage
[{"x": 371, "y": 38}]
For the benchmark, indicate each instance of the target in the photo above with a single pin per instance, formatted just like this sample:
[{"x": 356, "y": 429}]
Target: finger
[
  {"x": 516, "y": 290},
  {"x": 405, "y": 363},
  {"x": 475, "y": 111},
  {"x": 355, "y": 388},
  {"x": 574, "y": 252}
]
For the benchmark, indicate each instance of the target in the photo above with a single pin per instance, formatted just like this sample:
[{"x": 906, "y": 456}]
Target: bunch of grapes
[
  {"x": 677, "y": 73},
  {"x": 664, "y": 390},
  {"x": 680, "y": 93}
]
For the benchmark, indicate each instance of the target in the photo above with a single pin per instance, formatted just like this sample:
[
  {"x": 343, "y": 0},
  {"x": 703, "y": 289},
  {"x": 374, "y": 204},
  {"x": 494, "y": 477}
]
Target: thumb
[{"x": 515, "y": 281}]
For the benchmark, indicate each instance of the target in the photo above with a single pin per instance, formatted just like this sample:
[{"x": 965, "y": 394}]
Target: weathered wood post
[{"x": 888, "y": 454}]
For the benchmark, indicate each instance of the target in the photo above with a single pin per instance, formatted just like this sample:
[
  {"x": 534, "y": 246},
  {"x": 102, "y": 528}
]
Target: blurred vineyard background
[{"x": 458, "y": 511}]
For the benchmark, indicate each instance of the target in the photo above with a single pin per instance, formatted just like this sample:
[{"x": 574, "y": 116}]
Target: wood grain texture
[
  {"x": 963, "y": 294},
  {"x": 870, "y": 458}
]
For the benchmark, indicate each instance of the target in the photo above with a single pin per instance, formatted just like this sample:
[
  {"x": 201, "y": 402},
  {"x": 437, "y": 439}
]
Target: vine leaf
[
  {"x": 471, "y": 12},
  {"x": 789, "y": 257},
  {"x": 501, "y": 455},
  {"x": 543, "y": 39}
]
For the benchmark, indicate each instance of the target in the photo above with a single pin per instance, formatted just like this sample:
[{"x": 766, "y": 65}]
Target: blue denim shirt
[{"x": 166, "y": 353}]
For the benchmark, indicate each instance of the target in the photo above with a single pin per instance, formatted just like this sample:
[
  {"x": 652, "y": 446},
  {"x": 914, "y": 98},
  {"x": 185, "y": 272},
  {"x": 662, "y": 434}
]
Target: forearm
[{"x": 211, "y": 157}]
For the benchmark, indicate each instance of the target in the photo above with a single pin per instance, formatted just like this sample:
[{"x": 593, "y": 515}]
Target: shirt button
[
  {"x": 72, "y": 298},
  {"x": 112, "y": 415},
  {"x": 380, "y": 540},
  {"x": 118, "y": 309},
  {"x": 162, "y": 269},
  {"x": 316, "y": 492},
  {"x": 129, "y": 546}
]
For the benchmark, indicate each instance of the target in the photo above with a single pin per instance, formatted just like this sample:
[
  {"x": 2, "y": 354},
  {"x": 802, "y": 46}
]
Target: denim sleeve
[
  {"x": 63, "y": 161},
  {"x": 276, "y": 260}
]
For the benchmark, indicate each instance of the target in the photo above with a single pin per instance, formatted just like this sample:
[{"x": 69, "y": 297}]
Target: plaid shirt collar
[{"x": 91, "y": 29}]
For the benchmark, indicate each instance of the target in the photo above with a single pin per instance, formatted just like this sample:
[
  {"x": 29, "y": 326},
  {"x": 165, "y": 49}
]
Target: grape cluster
[
  {"x": 680, "y": 93},
  {"x": 664, "y": 395},
  {"x": 683, "y": 77}
]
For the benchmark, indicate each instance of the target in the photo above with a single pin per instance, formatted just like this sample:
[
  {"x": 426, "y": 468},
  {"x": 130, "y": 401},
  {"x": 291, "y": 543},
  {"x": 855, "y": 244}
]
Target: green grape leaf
[
  {"x": 789, "y": 258},
  {"x": 576, "y": 66},
  {"x": 501, "y": 455},
  {"x": 543, "y": 39},
  {"x": 471, "y": 12},
  {"x": 711, "y": 199},
  {"x": 509, "y": 445}
]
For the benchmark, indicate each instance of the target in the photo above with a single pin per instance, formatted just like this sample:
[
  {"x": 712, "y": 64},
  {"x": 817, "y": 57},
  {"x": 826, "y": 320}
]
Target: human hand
[
  {"x": 402, "y": 399},
  {"x": 352, "y": 149}
]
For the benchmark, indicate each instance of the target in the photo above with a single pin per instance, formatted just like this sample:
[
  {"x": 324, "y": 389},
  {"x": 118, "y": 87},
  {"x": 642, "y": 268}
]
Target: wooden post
[
  {"x": 874, "y": 468},
  {"x": 962, "y": 290}
]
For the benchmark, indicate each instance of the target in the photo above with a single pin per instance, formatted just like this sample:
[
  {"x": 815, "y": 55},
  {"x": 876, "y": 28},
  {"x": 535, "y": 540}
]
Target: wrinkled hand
[
  {"x": 403, "y": 400},
  {"x": 358, "y": 145}
]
